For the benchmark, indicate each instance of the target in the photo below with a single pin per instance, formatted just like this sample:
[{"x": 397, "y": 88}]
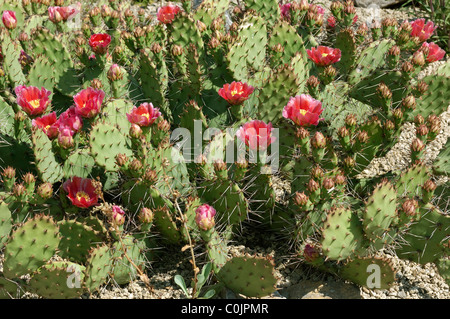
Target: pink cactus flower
[
  {"x": 99, "y": 43},
  {"x": 324, "y": 56},
  {"x": 118, "y": 216},
  {"x": 432, "y": 52},
  {"x": 32, "y": 100},
  {"x": 47, "y": 123},
  {"x": 88, "y": 102},
  {"x": 285, "y": 10},
  {"x": 303, "y": 110},
  {"x": 57, "y": 14},
  {"x": 421, "y": 30},
  {"x": 71, "y": 120},
  {"x": 9, "y": 19},
  {"x": 144, "y": 115},
  {"x": 81, "y": 192},
  {"x": 236, "y": 92},
  {"x": 256, "y": 134},
  {"x": 167, "y": 13}
]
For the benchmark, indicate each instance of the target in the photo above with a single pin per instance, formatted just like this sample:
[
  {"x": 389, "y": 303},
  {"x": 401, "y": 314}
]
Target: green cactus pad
[
  {"x": 345, "y": 41},
  {"x": 106, "y": 141},
  {"x": 276, "y": 92},
  {"x": 370, "y": 272},
  {"x": 441, "y": 165},
  {"x": 436, "y": 99},
  {"x": 80, "y": 163},
  {"x": 48, "y": 166},
  {"x": 123, "y": 271},
  {"x": 6, "y": 118},
  {"x": 342, "y": 234},
  {"x": 116, "y": 113},
  {"x": 443, "y": 265},
  {"x": 370, "y": 58},
  {"x": 286, "y": 35},
  {"x": 380, "y": 212},
  {"x": 249, "y": 51},
  {"x": 5, "y": 223},
  {"x": 58, "y": 280},
  {"x": 9, "y": 289},
  {"x": 209, "y": 10},
  {"x": 30, "y": 246},
  {"x": 250, "y": 276},
  {"x": 76, "y": 240},
  {"x": 410, "y": 181},
  {"x": 228, "y": 200},
  {"x": 269, "y": 10},
  {"x": 11, "y": 53},
  {"x": 425, "y": 240},
  {"x": 98, "y": 267}
]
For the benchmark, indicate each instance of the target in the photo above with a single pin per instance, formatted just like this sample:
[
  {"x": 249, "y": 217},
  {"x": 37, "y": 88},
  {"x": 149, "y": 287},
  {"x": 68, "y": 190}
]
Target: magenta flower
[
  {"x": 303, "y": 110},
  {"x": 144, "y": 115},
  {"x": 56, "y": 14},
  {"x": 256, "y": 134},
  {"x": 204, "y": 217},
  {"x": 324, "y": 56},
  {"x": 32, "y": 100},
  {"x": 432, "y": 52},
  {"x": 88, "y": 102},
  {"x": 285, "y": 10},
  {"x": 71, "y": 120},
  {"x": 167, "y": 13},
  {"x": 47, "y": 123},
  {"x": 9, "y": 19},
  {"x": 81, "y": 192},
  {"x": 99, "y": 43},
  {"x": 236, "y": 92},
  {"x": 421, "y": 30}
]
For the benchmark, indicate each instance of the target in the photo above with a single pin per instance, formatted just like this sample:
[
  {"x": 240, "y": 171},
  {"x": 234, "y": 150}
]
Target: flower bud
[
  {"x": 177, "y": 50},
  {"x": 409, "y": 103},
  {"x": 150, "y": 176},
  {"x": 419, "y": 119},
  {"x": 121, "y": 160},
  {"x": 118, "y": 216},
  {"x": 204, "y": 217},
  {"x": 421, "y": 131},
  {"x": 428, "y": 189},
  {"x": 328, "y": 183},
  {"x": 312, "y": 186},
  {"x": 146, "y": 215},
  {"x": 350, "y": 120},
  {"x": 410, "y": 206},
  {"x": 310, "y": 253},
  {"x": 418, "y": 59},
  {"x": 135, "y": 165},
  {"x": 45, "y": 190},
  {"x": 301, "y": 199},
  {"x": 115, "y": 73},
  {"x": 19, "y": 191},
  {"x": 317, "y": 172},
  {"x": 135, "y": 131},
  {"x": 318, "y": 140}
]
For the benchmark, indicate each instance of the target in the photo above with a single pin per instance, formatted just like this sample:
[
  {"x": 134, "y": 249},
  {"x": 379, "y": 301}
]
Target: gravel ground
[{"x": 296, "y": 280}]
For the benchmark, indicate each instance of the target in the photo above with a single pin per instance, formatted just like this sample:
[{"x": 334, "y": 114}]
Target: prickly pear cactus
[{"x": 117, "y": 128}]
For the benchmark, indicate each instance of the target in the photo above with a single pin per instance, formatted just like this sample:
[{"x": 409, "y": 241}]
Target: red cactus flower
[
  {"x": 56, "y": 14},
  {"x": 303, "y": 110},
  {"x": 144, "y": 115},
  {"x": 256, "y": 134},
  {"x": 204, "y": 217},
  {"x": 47, "y": 123},
  {"x": 99, "y": 43},
  {"x": 88, "y": 102},
  {"x": 421, "y": 30},
  {"x": 167, "y": 13},
  {"x": 236, "y": 92},
  {"x": 81, "y": 192},
  {"x": 32, "y": 100},
  {"x": 432, "y": 52},
  {"x": 331, "y": 21},
  {"x": 324, "y": 56},
  {"x": 9, "y": 19},
  {"x": 70, "y": 119}
]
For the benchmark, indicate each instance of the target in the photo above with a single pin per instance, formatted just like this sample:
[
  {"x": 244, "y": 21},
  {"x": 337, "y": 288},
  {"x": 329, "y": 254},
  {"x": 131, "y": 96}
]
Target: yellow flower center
[
  {"x": 324, "y": 55},
  {"x": 146, "y": 115},
  {"x": 303, "y": 112},
  {"x": 81, "y": 195},
  {"x": 234, "y": 92},
  {"x": 35, "y": 104}
]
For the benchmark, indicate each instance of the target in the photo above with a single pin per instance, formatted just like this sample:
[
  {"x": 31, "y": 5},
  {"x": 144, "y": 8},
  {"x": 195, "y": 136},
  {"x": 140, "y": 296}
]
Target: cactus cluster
[{"x": 116, "y": 130}]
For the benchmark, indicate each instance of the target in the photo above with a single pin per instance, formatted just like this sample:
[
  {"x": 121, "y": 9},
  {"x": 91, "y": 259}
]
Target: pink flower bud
[{"x": 205, "y": 217}]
